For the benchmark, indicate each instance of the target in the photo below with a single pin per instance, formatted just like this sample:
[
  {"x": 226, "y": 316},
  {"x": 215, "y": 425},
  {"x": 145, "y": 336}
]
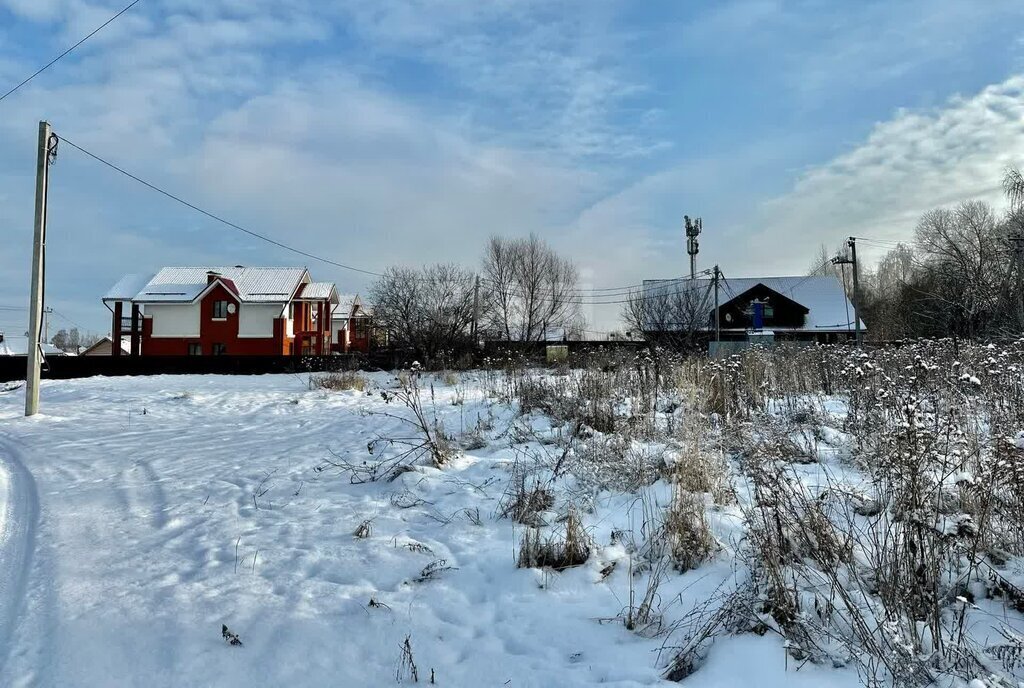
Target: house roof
[
  {"x": 127, "y": 287},
  {"x": 346, "y": 302},
  {"x": 126, "y": 345},
  {"x": 184, "y": 284},
  {"x": 18, "y": 346},
  {"x": 823, "y": 296},
  {"x": 318, "y": 291}
]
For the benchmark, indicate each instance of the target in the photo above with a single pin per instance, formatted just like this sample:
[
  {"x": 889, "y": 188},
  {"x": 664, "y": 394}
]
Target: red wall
[
  {"x": 212, "y": 332},
  {"x": 225, "y": 331}
]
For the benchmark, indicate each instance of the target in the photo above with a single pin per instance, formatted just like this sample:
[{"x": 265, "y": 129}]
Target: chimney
[{"x": 211, "y": 275}]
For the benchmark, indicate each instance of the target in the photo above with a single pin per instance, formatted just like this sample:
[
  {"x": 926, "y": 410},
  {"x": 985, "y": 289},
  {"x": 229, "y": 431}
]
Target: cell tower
[{"x": 693, "y": 228}]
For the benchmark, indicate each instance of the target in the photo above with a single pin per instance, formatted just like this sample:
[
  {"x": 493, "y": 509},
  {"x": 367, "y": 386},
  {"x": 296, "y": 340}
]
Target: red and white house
[
  {"x": 353, "y": 325},
  {"x": 202, "y": 311}
]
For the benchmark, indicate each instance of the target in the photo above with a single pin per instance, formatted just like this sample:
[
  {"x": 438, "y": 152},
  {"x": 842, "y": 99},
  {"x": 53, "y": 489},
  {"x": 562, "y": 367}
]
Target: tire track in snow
[{"x": 19, "y": 517}]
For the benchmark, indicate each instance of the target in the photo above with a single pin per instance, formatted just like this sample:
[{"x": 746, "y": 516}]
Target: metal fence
[{"x": 67, "y": 367}]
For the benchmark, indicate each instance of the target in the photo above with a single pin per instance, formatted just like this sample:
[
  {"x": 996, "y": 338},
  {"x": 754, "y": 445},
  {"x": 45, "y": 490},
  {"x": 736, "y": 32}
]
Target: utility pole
[
  {"x": 693, "y": 229},
  {"x": 35, "y": 312},
  {"x": 46, "y": 313},
  {"x": 476, "y": 307},
  {"x": 852, "y": 243},
  {"x": 1018, "y": 252},
  {"x": 718, "y": 324}
]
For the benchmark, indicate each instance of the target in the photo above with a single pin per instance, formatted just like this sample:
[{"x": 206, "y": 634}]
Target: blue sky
[{"x": 403, "y": 132}]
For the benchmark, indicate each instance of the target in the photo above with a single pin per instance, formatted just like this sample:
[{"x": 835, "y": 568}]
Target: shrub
[
  {"x": 557, "y": 551},
  {"x": 338, "y": 381}
]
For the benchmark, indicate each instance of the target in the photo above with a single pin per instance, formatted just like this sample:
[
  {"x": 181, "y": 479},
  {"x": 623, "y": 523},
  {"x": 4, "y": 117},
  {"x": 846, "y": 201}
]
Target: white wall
[
  {"x": 257, "y": 320},
  {"x": 174, "y": 320}
]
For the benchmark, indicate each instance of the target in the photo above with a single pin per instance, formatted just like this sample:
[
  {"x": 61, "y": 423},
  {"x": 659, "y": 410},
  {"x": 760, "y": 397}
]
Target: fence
[{"x": 67, "y": 367}]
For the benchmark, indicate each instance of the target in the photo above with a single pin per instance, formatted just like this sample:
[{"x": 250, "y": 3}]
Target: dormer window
[{"x": 220, "y": 309}]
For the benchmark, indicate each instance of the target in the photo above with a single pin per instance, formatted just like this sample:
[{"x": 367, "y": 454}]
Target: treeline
[
  {"x": 523, "y": 291},
  {"x": 960, "y": 276}
]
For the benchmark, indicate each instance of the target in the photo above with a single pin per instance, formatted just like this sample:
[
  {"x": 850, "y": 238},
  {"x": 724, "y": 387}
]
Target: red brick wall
[{"x": 221, "y": 331}]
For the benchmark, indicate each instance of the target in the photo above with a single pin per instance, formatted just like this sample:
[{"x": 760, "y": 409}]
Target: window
[
  {"x": 219, "y": 349},
  {"x": 220, "y": 309},
  {"x": 195, "y": 349}
]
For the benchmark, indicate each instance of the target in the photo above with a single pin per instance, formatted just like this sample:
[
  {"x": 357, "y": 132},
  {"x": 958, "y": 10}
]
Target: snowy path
[
  {"x": 148, "y": 538},
  {"x": 18, "y": 516}
]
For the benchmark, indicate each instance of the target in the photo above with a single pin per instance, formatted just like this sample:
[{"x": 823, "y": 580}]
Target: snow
[{"x": 168, "y": 506}]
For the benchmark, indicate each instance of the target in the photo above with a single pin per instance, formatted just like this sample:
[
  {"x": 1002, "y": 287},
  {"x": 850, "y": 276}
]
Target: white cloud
[
  {"x": 250, "y": 108},
  {"x": 913, "y": 162},
  {"x": 371, "y": 180}
]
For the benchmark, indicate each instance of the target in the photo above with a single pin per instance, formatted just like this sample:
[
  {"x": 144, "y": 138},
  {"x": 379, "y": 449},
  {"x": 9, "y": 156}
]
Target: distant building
[
  {"x": 104, "y": 347},
  {"x": 352, "y": 323},
  {"x": 18, "y": 346},
  {"x": 762, "y": 309},
  {"x": 203, "y": 311}
]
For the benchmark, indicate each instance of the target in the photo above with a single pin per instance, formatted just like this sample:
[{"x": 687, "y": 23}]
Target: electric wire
[
  {"x": 217, "y": 218},
  {"x": 578, "y": 299},
  {"x": 69, "y": 50}
]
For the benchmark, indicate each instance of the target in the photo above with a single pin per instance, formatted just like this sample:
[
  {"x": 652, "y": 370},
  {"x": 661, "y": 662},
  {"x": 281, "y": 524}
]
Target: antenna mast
[{"x": 693, "y": 228}]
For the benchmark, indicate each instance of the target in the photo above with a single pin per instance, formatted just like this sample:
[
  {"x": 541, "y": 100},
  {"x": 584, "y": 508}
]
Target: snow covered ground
[{"x": 138, "y": 515}]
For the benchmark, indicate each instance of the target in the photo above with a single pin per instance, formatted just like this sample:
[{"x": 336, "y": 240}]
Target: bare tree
[
  {"x": 528, "y": 288},
  {"x": 966, "y": 274},
  {"x": 1013, "y": 185},
  {"x": 821, "y": 265},
  {"x": 429, "y": 310},
  {"x": 889, "y": 295},
  {"x": 60, "y": 339},
  {"x": 670, "y": 312}
]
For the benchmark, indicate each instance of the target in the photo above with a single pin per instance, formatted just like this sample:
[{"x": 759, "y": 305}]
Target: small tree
[
  {"x": 528, "y": 288},
  {"x": 429, "y": 310},
  {"x": 671, "y": 312},
  {"x": 60, "y": 340}
]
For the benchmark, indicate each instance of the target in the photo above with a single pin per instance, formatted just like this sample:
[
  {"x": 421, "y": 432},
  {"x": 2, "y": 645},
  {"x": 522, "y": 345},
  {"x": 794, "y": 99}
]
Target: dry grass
[
  {"x": 686, "y": 529},
  {"x": 524, "y": 503},
  {"x": 558, "y": 551},
  {"x": 703, "y": 473},
  {"x": 339, "y": 381}
]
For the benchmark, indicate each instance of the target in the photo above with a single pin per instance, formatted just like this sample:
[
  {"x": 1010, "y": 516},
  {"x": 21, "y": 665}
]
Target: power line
[
  {"x": 579, "y": 299},
  {"x": 212, "y": 216},
  {"x": 66, "y": 318},
  {"x": 66, "y": 52}
]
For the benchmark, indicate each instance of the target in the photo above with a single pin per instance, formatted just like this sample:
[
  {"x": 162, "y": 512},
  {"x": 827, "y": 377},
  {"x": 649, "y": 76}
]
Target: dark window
[
  {"x": 219, "y": 349},
  {"x": 195, "y": 349},
  {"x": 220, "y": 309}
]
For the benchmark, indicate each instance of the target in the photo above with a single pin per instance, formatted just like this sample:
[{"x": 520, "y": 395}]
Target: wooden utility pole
[
  {"x": 35, "y": 313},
  {"x": 718, "y": 324},
  {"x": 852, "y": 243},
  {"x": 1018, "y": 241},
  {"x": 476, "y": 307}
]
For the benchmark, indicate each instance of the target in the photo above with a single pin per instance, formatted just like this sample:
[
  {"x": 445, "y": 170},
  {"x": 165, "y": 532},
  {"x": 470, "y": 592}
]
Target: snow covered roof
[
  {"x": 346, "y": 302},
  {"x": 126, "y": 345},
  {"x": 184, "y": 284},
  {"x": 127, "y": 287},
  {"x": 318, "y": 291},
  {"x": 823, "y": 296},
  {"x": 18, "y": 346}
]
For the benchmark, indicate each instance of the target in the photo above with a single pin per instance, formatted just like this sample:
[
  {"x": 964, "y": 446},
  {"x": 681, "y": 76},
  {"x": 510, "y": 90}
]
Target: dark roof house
[{"x": 812, "y": 308}]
